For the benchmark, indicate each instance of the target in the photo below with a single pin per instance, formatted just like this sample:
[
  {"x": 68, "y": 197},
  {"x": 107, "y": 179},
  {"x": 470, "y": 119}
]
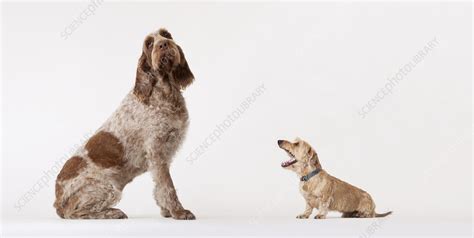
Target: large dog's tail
[{"x": 383, "y": 214}]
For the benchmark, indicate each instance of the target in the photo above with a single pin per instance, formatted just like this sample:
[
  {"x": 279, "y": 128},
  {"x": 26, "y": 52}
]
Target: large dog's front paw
[
  {"x": 183, "y": 215},
  {"x": 302, "y": 216},
  {"x": 165, "y": 212}
]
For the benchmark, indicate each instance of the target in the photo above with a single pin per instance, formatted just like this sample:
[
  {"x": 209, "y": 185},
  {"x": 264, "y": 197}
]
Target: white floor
[{"x": 206, "y": 226}]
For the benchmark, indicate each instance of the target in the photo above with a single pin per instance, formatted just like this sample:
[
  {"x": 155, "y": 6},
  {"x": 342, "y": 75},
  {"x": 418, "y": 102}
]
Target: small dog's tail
[{"x": 383, "y": 214}]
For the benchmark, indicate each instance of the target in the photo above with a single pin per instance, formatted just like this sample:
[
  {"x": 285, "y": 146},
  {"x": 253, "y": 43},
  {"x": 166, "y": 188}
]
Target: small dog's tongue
[{"x": 288, "y": 163}]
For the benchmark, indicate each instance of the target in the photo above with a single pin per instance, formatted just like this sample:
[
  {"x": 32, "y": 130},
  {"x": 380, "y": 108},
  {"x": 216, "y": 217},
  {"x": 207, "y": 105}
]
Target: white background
[{"x": 319, "y": 62}]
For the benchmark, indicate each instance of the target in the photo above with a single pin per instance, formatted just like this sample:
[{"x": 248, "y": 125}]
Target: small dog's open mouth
[{"x": 288, "y": 162}]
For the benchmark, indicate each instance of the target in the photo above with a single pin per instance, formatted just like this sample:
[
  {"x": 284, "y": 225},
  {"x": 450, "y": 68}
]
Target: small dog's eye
[{"x": 297, "y": 143}]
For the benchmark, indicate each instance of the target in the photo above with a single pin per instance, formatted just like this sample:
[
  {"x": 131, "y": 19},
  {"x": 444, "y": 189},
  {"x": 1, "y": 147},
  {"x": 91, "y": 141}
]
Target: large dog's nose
[
  {"x": 279, "y": 142},
  {"x": 163, "y": 44}
]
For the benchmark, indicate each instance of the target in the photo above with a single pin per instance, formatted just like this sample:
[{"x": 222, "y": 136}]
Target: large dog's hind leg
[{"x": 93, "y": 201}]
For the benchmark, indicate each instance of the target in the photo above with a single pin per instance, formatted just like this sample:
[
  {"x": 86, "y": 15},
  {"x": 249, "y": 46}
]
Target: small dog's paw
[
  {"x": 302, "y": 216},
  {"x": 320, "y": 217},
  {"x": 183, "y": 215}
]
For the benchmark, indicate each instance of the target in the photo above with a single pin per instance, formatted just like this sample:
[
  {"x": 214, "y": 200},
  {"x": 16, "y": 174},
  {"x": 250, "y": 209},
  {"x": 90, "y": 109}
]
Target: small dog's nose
[
  {"x": 163, "y": 44},
  {"x": 279, "y": 142}
]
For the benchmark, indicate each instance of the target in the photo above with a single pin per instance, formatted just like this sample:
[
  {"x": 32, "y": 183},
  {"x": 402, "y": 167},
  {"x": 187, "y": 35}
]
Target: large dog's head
[
  {"x": 161, "y": 57},
  {"x": 302, "y": 156}
]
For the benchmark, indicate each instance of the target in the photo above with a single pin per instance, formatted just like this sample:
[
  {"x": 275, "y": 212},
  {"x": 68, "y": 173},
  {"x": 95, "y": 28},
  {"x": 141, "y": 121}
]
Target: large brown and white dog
[
  {"x": 321, "y": 190},
  {"x": 143, "y": 134}
]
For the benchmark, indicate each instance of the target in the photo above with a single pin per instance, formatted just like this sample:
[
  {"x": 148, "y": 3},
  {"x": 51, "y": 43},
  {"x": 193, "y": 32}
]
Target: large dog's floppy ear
[
  {"x": 145, "y": 81},
  {"x": 181, "y": 73}
]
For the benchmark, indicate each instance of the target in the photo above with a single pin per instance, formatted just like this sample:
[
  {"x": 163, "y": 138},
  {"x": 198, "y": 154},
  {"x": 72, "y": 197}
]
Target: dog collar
[{"x": 310, "y": 175}]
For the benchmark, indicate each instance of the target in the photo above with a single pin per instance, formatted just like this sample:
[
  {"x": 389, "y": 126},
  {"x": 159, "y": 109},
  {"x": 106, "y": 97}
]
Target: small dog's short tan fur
[{"x": 323, "y": 191}]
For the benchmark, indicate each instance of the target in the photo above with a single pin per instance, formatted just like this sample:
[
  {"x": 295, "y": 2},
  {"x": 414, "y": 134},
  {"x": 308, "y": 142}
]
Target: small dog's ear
[
  {"x": 181, "y": 73},
  {"x": 314, "y": 159},
  {"x": 310, "y": 153},
  {"x": 144, "y": 81},
  {"x": 165, "y": 33}
]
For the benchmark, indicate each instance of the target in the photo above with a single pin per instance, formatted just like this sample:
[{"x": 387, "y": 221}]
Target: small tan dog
[{"x": 323, "y": 191}]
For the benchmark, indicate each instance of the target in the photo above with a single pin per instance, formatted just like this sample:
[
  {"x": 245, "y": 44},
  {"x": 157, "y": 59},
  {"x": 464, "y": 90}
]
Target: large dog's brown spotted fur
[
  {"x": 72, "y": 168},
  {"x": 143, "y": 134},
  {"x": 105, "y": 150}
]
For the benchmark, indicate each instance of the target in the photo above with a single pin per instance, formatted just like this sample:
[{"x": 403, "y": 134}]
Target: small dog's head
[
  {"x": 302, "y": 156},
  {"x": 163, "y": 57}
]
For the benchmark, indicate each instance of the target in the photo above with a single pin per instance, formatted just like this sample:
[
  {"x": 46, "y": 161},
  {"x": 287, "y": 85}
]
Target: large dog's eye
[
  {"x": 149, "y": 42},
  {"x": 297, "y": 143}
]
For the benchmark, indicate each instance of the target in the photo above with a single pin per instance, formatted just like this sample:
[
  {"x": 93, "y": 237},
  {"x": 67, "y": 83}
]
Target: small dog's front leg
[
  {"x": 322, "y": 210},
  {"x": 307, "y": 212},
  {"x": 165, "y": 195}
]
